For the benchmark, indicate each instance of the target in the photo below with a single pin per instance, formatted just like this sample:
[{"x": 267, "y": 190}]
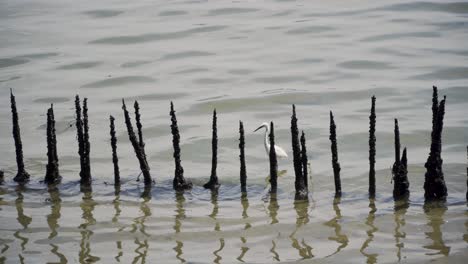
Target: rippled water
[{"x": 250, "y": 60}]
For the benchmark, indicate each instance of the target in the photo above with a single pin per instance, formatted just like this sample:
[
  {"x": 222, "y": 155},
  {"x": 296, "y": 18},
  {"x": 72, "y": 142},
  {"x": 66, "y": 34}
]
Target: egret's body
[{"x": 279, "y": 151}]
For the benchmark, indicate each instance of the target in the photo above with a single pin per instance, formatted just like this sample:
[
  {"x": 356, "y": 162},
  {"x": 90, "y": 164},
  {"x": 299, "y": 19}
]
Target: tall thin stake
[
  {"x": 179, "y": 183},
  {"x": 22, "y": 175},
  {"x": 243, "y": 171},
  {"x": 302, "y": 194},
  {"x": 52, "y": 168},
  {"x": 115, "y": 158},
  {"x": 334, "y": 151},
  {"x": 273, "y": 161},
  {"x": 400, "y": 169},
  {"x": 299, "y": 180}
]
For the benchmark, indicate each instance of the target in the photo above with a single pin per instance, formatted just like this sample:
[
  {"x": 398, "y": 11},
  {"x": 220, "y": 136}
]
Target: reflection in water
[
  {"x": 371, "y": 258},
  {"x": 52, "y": 220},
  {"x": 23, "y": 219},
  {"x": 139, "y": 224},
  {"x": 245, "y": 216},
  {"x": 401, "y": 206},
  {"x": 213, "y": 215},
  {"x": 334, "y": 223},
  {"x": 180, "y": 215},
  {"x": 302, "y": 218},
  {"x": 273, "y": 213},
  {"x": 87, "y": 206},
  {"x": 435, "y": 216},
  {"x": 115, "y": 220}
]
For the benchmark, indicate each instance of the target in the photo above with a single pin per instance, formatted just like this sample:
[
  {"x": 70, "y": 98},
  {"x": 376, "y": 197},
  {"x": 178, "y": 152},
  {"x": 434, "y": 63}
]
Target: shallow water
[{"x": 250, "y": 60}]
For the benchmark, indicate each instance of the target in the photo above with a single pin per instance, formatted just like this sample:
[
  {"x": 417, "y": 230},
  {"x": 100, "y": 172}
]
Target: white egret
[{"x": 279, "y": 151}]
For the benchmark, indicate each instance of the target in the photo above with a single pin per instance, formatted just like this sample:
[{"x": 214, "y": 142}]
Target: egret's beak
[{"x": 258, "y": 129}]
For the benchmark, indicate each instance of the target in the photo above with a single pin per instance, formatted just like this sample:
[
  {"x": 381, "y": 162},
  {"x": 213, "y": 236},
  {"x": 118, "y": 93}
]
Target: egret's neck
[{"x": 267, "y": 141}]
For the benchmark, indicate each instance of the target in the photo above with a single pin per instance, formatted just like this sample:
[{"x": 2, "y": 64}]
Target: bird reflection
[
  {"x": 435, "y": 215},
  {"x": 180, "y": 215},
  {"x": 302, "y": 218},
  {"x": 245, "y": 216},
  {"x": 52, "y": 220},
  {"x": 139, "y": 224},
  {"x": 371, "y": 258},
  {"x": 401, "y": 207},
  {"x": 334, "y": 223},
  {"x": 23, "y": 219},
  {"x": 87, "y": 206}
]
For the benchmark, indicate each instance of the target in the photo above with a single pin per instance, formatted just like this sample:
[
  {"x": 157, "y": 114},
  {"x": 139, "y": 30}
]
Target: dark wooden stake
[
  {"x": 115, "y": 158},
  {"x": 334, "y": 151},
  {"x": 302, "y": 194},
  {"x": 372, "y": 140},
  {"x": 179, "y": 183},
  {"x": 139, "y": 151},
  {"x": 82, "y": 132},
  {"x": 400, "y": 169},
  {"x": 273, "y": 161},
  {"x": 299, "y": 182},
  {"x": 434, "y": 184},
  {"x": 467, "y": 174},
  {"x": 52, "y": 168},
  {"x": 213, "y": 182},
  {"x": 243, "y": 171},
  {"x": 2, "y": 179},
  {"x": 22, "y": 176}
]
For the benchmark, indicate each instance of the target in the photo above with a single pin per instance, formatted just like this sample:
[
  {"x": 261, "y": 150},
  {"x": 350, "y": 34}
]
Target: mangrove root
[
  {"x": 434, "y": 184},
  {"x": 22, "y": 175},
  {"x": 138, "y": 147},
  {"x": 179, "y": 183},
  {"x": 400, "y": 169},
  {"x": 372, "y": 121},
  {"x": 115, "y": 158},
  {"x": 213, "y": 182},
  {"x": 334, "y": 151},
  {"x": 52, "y": 168}
]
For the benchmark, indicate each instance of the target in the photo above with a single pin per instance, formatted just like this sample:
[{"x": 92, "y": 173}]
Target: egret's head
[{"x": 264, "y": 125}]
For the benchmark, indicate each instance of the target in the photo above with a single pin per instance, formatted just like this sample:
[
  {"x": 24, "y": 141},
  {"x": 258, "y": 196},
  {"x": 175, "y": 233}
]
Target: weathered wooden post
[
  {"x": 334, "y": 151},
  {"x": 115, "y": 158},
  {"x": 137, "y": 147},
  {"x": 303, "y": 193},
  {"x": 52, "y": 168},
  {"x": 434, "y": 184},
  {"x": 22, "y": 175},
  {"x": 179, "y": 183},
  {"x": 273, "y": 161},
  {"x": 372, "y": 119},
  {"x": 213, "y": 182},
  {"x": 243, "y": 170}
]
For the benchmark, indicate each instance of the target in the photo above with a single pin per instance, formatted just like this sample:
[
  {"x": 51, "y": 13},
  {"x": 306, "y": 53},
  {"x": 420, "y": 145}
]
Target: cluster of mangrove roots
[
  {"x": 400, "y": 169},
  {"x": 137, "y": 143},
  {"x": 434, "y": 184},
  {"x": 82, "y": 134},
  {"x": 52, "y": 168},
  {"x": 299, "y": 159}
]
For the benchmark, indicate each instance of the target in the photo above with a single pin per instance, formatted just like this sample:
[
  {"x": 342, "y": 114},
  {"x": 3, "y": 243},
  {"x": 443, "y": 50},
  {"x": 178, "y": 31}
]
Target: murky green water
[{"x": 250, "y": 60}]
